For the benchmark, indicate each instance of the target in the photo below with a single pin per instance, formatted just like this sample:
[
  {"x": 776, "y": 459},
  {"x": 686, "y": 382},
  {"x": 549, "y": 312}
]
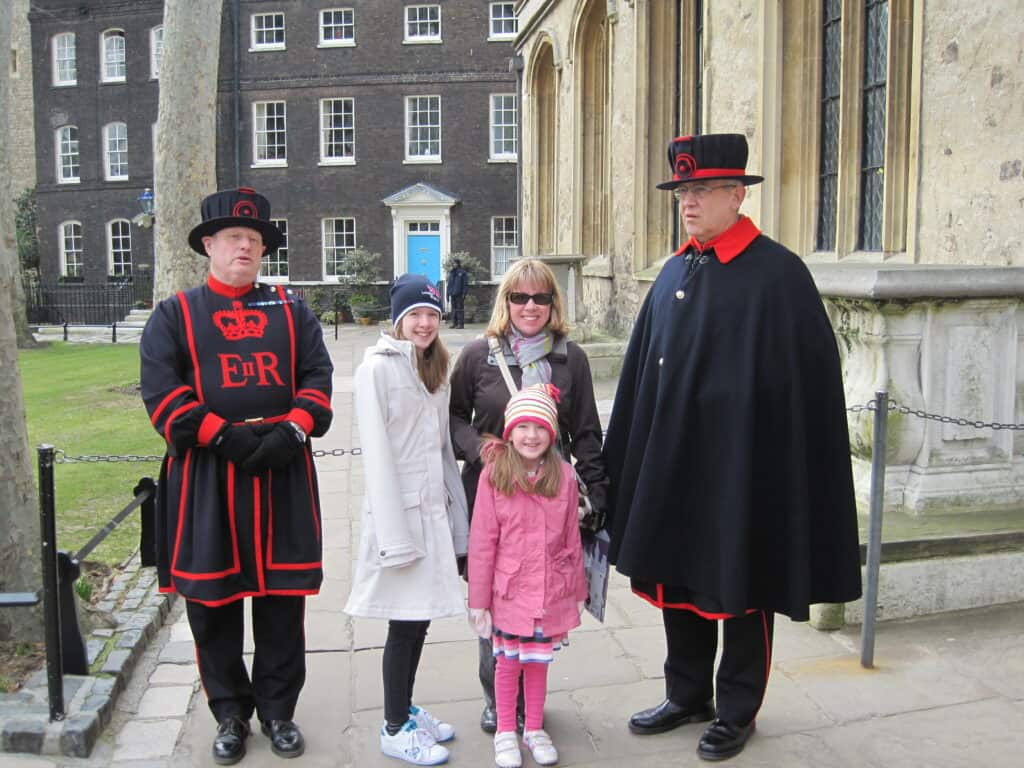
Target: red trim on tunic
[
  {"x": 271, "y": 565},
  {"x": 316, "y": 396},
  {"x": 242, "y": 595},
  {"x": 729, "y": 244},
  {"x": 190, "y": 335},
  {"x": 257, "y": 533},
  {"x": 230, "y": 291},
  {"x": 291, "y": 333},
  {"x": 209, "y": 427},
  {"x": 659, "y": 602},
  {"x": 175, "y": 414},
  {"x": 209, "y": 575},
  {"x": 166, "y": 401},
  {"x": 302, "y": 418}
]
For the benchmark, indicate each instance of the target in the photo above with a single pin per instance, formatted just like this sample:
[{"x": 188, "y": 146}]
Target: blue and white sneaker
[
  {"x": 440, "y": 731},
  {"x": 412, "y": 744}
]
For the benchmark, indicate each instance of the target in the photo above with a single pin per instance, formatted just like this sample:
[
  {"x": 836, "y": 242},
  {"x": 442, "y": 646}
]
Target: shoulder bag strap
[{"x": 499, "y": 357}]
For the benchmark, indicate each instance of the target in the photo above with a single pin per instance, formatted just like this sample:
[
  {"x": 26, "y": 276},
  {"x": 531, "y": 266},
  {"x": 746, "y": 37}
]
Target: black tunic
[
  {"x": 216, "y": 353},
  {"x": 727, "y": 448}
]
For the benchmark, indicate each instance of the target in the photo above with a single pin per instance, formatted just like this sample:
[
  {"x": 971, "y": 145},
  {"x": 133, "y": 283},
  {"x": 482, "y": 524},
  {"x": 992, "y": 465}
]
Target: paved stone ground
[{"x": 945, "y": 691}]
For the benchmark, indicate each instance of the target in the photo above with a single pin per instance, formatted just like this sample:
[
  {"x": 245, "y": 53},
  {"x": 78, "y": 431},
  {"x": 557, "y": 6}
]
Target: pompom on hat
[
  {"x": 411, "y": 291},
  {"x": 537, "y": 403}
]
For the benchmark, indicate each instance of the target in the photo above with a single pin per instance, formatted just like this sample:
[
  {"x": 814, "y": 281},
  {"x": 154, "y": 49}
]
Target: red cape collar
[
  {"x": 230, "y": 291},
  {"x": 729, "y": 244}
]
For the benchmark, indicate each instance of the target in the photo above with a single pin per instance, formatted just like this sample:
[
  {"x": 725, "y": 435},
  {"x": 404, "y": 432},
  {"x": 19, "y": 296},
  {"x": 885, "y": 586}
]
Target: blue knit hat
[{"x": 411, "y": 291}]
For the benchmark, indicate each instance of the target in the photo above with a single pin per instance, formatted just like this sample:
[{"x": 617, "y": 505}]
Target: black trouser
[
  {"x": 402, "y": 651},
  {"x": 458, "y": 311},
  {"x": 278, "y": 663},
  {"x": 742, "y": 677}
]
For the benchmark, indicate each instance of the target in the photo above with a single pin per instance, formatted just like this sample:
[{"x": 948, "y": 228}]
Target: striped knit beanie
[{"x": 536, "y": 403}]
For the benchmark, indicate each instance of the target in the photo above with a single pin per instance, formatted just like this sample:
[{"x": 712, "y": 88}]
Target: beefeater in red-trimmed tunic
[{"x": 235, "y": 377}]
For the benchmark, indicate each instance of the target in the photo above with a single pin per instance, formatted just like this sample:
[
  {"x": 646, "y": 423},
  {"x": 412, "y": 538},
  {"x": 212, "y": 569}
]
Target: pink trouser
[{"x": 506, "y": 691}]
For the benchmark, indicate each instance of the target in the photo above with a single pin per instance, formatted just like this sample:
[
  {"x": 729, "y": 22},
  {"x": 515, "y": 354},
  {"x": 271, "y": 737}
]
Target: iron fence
[{"x": 82, "y": 304}]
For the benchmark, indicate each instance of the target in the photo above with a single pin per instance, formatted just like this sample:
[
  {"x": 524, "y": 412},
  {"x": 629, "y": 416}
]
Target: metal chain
[
  {"x": 339, "y": 452},
  {"x": 60, "y": 457},
  {"x": 872, "y": 405}
]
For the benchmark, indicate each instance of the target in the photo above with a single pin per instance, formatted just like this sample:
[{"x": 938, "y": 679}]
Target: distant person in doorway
[{"x": 458, "y": 287}]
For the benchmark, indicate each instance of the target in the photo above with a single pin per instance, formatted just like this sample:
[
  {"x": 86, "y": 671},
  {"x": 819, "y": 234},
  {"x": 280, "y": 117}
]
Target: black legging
[{"x": 402, "y": 652}]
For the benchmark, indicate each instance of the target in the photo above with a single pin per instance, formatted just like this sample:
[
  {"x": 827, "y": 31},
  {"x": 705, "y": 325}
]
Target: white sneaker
[
  {"x": 412, "y": 744},
  {"x": 506, "y": 750},
  {"x": 541, "y": 748},
  {"x": 439, "y": 730}
]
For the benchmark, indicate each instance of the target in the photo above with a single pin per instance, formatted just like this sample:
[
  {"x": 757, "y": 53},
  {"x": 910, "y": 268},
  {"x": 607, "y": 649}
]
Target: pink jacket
[{"x": 525, "y": 557}]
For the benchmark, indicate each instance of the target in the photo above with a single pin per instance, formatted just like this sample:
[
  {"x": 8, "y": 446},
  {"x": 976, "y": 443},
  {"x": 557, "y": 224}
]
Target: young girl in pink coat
[{"x": 526, "y": 583}]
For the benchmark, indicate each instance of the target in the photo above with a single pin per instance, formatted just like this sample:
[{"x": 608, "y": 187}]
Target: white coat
[{"x": 414, "y": 514}]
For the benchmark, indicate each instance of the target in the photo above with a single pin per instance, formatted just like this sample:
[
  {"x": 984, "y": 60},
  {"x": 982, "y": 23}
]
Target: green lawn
[{"x": 83, "y": 398}]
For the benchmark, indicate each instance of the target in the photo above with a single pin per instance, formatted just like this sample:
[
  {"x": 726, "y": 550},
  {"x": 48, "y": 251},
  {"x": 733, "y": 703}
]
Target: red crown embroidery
[{"x": 237, "y": 323}]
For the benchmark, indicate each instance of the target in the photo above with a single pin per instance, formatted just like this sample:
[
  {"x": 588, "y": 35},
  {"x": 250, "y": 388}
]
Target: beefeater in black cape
[
  {"x": 728, "y": 452},
  {"x": 235, "y": 376}
]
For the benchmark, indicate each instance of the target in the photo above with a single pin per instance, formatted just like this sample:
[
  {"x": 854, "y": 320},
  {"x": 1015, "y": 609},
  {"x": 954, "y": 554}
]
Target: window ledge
[
  {"x": 69, "y": 84},
  {"x": 422, "y": 161},
  {"x": 337, "y": 161},
  {"x": 261, "y": 48},
  {"x": 69, "y": 181},
  {"x": 116, "y": 178},
  {"x": 337, "y": 44},
  {"x": 115, "y": 81},
  {"x": 501, "y": 38},
  {"x": 425, "y": 41},
  {"x": 503, "y": 160},
  {"x": 270, "y": 164}
]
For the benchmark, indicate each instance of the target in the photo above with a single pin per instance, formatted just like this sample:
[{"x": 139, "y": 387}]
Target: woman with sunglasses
[{"x": 528, "y": 324}]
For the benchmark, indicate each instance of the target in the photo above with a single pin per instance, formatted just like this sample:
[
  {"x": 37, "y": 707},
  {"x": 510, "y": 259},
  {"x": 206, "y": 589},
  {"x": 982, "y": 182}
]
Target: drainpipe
[
  {"x": 236, "y": 86},
  {"x": 516, "y": 64}
]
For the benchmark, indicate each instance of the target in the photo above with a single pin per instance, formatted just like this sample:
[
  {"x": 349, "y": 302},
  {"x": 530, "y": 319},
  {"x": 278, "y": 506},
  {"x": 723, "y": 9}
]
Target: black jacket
[
  {"x": 727, "y": 447},
  {"x": 458, "y": 282},
  {"x": 479, "y": 396}
]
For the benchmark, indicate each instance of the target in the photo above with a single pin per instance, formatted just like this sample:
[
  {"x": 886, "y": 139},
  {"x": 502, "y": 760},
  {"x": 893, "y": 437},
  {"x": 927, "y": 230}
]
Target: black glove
[
  {"x": 234, "y": 443},
  {"x": 278, "y": 448}
]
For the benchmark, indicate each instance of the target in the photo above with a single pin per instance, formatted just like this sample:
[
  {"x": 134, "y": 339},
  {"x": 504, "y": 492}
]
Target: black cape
[{"x": 727, "y": 448}]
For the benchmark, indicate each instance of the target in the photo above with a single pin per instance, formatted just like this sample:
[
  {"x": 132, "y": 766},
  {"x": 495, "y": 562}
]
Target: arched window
[
  {"x": 65, "y": 62},
  {"x": 113, "y": 67},
  {"x": 119, "y": 248},
  {"x": 67, "y": 154},
  {"x": 71, "y": 249},
  {"x": 115, "y": 151},
  {"x": 546, "y": 101},
  {"x": 593, "y": 55}
]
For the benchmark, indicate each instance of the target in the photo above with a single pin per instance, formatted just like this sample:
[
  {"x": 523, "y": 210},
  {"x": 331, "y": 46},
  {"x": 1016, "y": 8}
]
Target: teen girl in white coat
[{"x": 414, "y": 514}]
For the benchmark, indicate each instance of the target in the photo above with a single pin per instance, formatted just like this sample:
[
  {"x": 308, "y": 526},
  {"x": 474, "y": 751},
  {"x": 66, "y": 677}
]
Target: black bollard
[
  {"x": 51, "y": 595},
  {"x": 147, "y": 512}
]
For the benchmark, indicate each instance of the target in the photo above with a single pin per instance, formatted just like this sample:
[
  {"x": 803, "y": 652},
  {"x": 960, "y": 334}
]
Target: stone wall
[
  {"x": 21, "y": 123},
  {"x": 972, "y": 155}
]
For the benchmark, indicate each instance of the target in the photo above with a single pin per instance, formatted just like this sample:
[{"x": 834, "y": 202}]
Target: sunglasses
[{"x": 540, "y": 299}]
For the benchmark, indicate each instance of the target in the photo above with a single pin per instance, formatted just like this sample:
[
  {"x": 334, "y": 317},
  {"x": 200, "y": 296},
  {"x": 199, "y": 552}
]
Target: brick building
[{"x": 384, "y": 124}]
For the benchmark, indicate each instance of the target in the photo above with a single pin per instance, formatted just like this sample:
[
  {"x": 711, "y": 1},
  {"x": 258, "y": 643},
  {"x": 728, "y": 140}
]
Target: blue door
[{"x": 424, "y": 253}]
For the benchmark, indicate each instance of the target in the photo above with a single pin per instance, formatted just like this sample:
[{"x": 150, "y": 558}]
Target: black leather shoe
[
  {"x": 669, "y": 715},
  {"x": 489, "y": 719},
  {"x": 285, "y": 738},
  {"x": 229, "y": 744},
  {"x": 722, "y": 740}
]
